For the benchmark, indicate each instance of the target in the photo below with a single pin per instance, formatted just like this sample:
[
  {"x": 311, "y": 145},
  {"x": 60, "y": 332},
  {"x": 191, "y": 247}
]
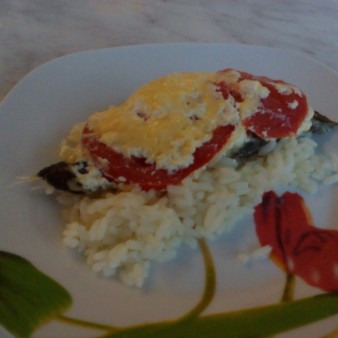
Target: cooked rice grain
[{"x": 121, "y": 234}]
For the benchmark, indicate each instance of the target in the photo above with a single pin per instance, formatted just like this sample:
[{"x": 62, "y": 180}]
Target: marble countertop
[{"x": 34, "y": 32}]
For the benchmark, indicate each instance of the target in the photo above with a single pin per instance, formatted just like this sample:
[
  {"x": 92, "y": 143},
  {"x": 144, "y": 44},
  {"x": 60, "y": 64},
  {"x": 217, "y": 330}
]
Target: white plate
[{"x": 39, "y": 112}]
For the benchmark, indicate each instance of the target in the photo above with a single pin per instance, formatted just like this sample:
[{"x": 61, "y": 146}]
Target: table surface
[{"x": 34, "y": 32}]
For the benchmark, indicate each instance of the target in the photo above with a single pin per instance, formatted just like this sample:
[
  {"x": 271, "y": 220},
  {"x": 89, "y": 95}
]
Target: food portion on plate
[
  {"x": 176, "y": 124},
  {"x": 184, "y": 157}
]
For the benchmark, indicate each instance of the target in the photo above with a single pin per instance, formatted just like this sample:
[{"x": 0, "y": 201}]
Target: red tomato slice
[
  {"x": 115, "y": 166},
  {"x": 280, "y": 114}
]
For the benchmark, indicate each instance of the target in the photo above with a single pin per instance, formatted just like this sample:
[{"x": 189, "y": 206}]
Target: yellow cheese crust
[{"x": 166, "y": 119}]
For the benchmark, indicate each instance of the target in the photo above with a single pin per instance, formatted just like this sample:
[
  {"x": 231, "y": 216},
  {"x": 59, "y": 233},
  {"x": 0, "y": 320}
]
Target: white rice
[{"x": 120, "y": 234}]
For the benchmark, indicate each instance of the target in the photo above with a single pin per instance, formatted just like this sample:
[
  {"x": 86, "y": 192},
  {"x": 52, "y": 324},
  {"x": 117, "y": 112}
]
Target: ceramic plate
[{"x": 40, "y": 111}]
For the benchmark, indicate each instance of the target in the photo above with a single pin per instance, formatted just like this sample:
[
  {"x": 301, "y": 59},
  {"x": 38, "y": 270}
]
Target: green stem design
[
  {"x": 209, "y": 284},
  {"x": 208, "y": 295},
  {"x": 289, "y": 288},
  {"x": 256, "y": 322}
]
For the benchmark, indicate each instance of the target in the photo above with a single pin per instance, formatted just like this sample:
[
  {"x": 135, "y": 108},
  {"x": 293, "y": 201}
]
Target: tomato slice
[
  {"x": 280, "y": 113},
  {"x": 117, "y": 168}
]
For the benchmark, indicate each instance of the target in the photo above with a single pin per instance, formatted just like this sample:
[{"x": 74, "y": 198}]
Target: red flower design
[{"x": 299, "y": 247}]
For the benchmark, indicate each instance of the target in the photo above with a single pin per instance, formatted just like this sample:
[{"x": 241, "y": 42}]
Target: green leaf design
[
  {"x": 251, "y": 323},
  {"x": 28, "y": 298}
]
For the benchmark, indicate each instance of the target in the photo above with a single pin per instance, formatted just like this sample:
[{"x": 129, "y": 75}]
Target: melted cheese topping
[{"x": 166, "y": 119}]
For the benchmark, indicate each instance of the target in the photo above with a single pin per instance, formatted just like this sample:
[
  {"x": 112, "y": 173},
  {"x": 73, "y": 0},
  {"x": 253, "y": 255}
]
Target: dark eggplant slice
[
  {"x": 249, "y": 148},
  {"x": 81, "y": 177},
  {"x": 321, "y": 124},
  {"x": 61, "y": 177}
]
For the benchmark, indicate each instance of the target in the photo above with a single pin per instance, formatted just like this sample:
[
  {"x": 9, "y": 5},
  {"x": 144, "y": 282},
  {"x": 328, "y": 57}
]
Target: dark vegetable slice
[
  {"x": 60, "y": 176},
  {"x": 249, "y": 148},
  {"x": 321, "y": 124}
]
